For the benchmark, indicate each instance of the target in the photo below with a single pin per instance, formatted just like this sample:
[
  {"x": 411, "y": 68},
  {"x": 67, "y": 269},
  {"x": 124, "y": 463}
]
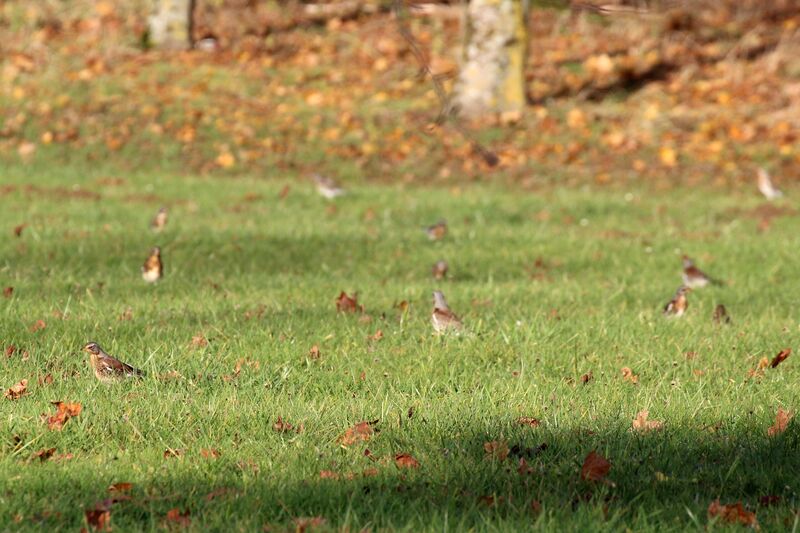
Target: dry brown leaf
[
  {"x": 628, "y": 375},
  {"x": 781, "y": 357},
  {"x": 496, "y": 449},
  {"x": 8, "y": 292},
  {"x": 781, "y": 422},
  {"x": 303, "y": 524},
  {"x": 405, "y": 460},
  {"x": 587, "y": 377},
  {"x": 377, "y": 336},
  {"x": 64, "y": 411},
  {"x": 281, "y": 426},
  {"x": 199, "y": 341},
  {"x": 38, "y": 325},
  {"x": 362, "y": 431},
  {"x": 348, "y": 304},
  {"x": 176, "y": 517},
  {"x": 120, "y": 487},
  {"x": 642, "y": 424},
  {"x": 314, "y": 353},
  {"x": 528, "y": 421},
  {"x": 44, "y": 455},
  {"x": 173, "y": 452},
  {"x": 595, "y": 467},
  {"x": 328, "y": 474},
  {"x": 15, "y": 392},
  {"x": 210, "y": 453},
  {"x": 98, "y": 519},
  {"x": 734, "y": 513}
]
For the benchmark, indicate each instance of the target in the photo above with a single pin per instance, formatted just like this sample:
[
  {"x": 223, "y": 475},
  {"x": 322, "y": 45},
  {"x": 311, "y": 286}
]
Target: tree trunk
[
  {"x": 170, "y": 24},
  {"x": 491, "y": 78}
]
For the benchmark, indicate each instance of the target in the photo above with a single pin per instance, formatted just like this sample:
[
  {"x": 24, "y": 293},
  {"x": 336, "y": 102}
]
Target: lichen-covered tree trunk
[
  {"x": 170, "y": 24},
  {"x": 491, "y": 78}
]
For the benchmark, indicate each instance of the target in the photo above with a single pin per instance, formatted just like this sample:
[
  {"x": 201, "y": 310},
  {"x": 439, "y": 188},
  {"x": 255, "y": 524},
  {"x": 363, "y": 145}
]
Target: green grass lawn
[{"x": 551, "y": 285}]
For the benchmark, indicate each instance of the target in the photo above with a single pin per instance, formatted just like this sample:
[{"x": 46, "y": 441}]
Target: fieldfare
[
  {"x": 693, "y": 277},
  {"x": 677, "y": 306},
  {"x": 327, "y": 187},
  {"x": 153, "y": 268},
  {"x": 437, "y": 231},
  {"x": 721, "y": 315},
  {"x": 443, "y": 319},
  {"x": 108, "y": 369},
  {"x": 160, "y": 220},
  {"x": 439, "y": 270}
]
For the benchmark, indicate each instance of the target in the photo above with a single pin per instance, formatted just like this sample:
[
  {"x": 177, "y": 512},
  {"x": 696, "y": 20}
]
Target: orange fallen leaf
[
  {"x": 369, "y": 472},
  {"x": 642, "y": 424},
  {"x": 762, "y": 364},
  {"x": 405, "y": 460},
  {"x": 44, "y": 455},
  {"x": 98, "y": 519},
  {"x": 120, "y": 487},
  {"x": 496, "y": 449},
  {"x": 348, "y": 304},
  {"x": 328, "y": 474},
  {"x": 528, "y": 421},
  {"x": 18, "y": 230},
  {"x": 734, "y": 513},
  {"x": 781, "y": 357},
  {"x": 199, "y": 341},
  {"x": 38, "y": 325},
  {"x": 628, "y": 375},
  {"x": 178, "y": 518},
  {"x": 781, "y": 422},
  {"x": 15, "y": 392},
  {"x": 362, "y": 431},
  {"x": 64, "y": 411},
  {"x": 377, "y": 336},
  {"x": 314, "y": 353},
  {"x": 8, "y": 291},
  {"x": 210, "y": 453},
  {"x": 303, "y": 524},
  {"x": 595, "y": 467},
  {"x": 281, "y": 426},
  {"x": 587, "y": 377}
]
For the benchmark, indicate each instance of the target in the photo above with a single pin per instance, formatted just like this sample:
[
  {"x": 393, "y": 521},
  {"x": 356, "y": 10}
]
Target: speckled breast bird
[
  {"x": 765, "y": 185},
  {"x": 327, "y": 187},
  {"x": 439, "y": 270},
  {"x": 153, "y": 268},
  {"x": 437, "y": 231},
  {"x": 109, "y": 369},
  {"x": 442, "y": 318},
  {"x": 721, "y": 315},
  {"x": 160, "y": 220},
  {"x": 679, "y": 303},
  {"x": 693, "y": 277}
]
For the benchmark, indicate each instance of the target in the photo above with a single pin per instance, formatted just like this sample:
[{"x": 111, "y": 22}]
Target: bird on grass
[
  {"x": 153, "y": 268},
  {"x": 693, "y": 277},
  {"x": 679, "y": 303},
  {"x": 765, "y": 185},
  {"x": 437, "y": 231},
  {"x": 327, "y": 187},
  {"x": 159, "y": 221},
  {"x": 439, "y": 270},
  {"x": 721, "y": 315},
  {"x": 107, "y": 368},
  {"x": 442, "y": 318}
]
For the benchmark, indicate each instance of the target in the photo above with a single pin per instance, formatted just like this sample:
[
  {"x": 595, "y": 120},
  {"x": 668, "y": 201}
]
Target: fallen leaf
[
  {"x": 642, "y": 424},
  {"x": 282, "y": 426},
  {"x": 303, "y": 524},
  {"x": 199, "y": 341},
  {"x": 496, "y": 449},
  {"x": 98, "y": 519},
  {"x": 176, "y": 517},
  {"x": 348, "y": 304},
  {"x": 781, "y": 357},
  {"x": 762, "y": 364},
  {"x": 586, "y": 378},
  {"x": 628, "y": 375},
  {"x": 362, "y": 431},
  {"x": 328, "y": 474},
  {"x": 18, "y": 230},
  {"x": 781, "y": 422},
  {"x": 8, "y": 291},
  {"x": 17, "y": 391},
  {"x": 44, "y": 455},
  {"x": 405, "y": 460},
  {"x": 284, "y": 192},
  {"x": 38, "y": 325},
  {"x": 732, "y": 514},
  {"x": 173, "y": 452},
  {"x": 595, "y": 467},
  {"x": 528, "y": 421},
  {"x": 377, "y": 336},
  {"x": 209, "y": 453},
  {"x": 313, "y": 353},
  {"x": 10, "y": 349},
  {"x": 120, "y": 487},
  {"x": 64, "y": 411}
]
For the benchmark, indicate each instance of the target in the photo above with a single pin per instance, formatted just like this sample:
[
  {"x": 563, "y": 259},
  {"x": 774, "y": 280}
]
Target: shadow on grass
[{"x": 659, "y": 480}]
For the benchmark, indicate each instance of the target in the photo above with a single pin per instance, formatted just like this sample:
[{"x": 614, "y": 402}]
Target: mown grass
[{"x": 551, "y": 285}]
